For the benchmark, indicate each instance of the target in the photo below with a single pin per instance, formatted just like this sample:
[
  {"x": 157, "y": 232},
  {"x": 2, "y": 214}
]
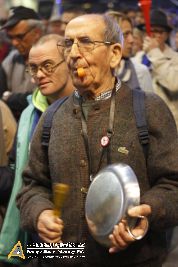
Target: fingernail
[
  {"x": 110, "y": 236},
  {"x": 115, "y": 227}
]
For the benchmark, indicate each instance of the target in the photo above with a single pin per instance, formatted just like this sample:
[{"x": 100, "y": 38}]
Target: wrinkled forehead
[{"x": 86, "y": 25}]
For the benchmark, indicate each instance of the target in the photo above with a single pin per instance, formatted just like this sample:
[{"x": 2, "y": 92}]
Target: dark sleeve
[
  {"x": 36, "y": 193},
  {"x": 3, "y": 81},
  {"x": 7, "y": 174},
  {"x": 17, "y": 102},
  {"x": 162, "y": 165}
]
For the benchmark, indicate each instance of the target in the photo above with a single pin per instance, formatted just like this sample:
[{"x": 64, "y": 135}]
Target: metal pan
[{"x": 113, "y": 191}]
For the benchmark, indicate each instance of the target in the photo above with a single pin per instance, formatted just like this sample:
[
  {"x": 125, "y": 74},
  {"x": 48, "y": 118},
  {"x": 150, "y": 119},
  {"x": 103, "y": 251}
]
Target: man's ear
[{"x": 116, "y": 55}]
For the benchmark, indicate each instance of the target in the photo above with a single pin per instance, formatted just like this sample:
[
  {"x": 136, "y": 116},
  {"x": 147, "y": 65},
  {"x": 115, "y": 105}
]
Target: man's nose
[
  {"x": 130, "y": 38},
  {"x": 75, "y": 51},
  {"x": 40, "y": 73},
  {"x": 15, "y": 42}
]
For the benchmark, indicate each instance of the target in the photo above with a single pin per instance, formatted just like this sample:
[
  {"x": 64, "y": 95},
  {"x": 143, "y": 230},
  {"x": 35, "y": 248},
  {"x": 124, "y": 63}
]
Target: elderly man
[
  {"x": 101, "y": 107},
  {"x": 23, "y": 28}
]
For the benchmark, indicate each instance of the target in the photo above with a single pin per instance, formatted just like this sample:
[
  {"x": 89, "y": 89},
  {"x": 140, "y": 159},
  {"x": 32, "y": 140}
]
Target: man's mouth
[
  {"x": 43, "y": 84},
  {"x": 76, "y": 69}
]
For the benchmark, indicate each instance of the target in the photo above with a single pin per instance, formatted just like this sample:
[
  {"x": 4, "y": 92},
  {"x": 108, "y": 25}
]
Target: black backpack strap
[
  {"x": 48, "y": 119},
  {"x": 140, "y": 116}
]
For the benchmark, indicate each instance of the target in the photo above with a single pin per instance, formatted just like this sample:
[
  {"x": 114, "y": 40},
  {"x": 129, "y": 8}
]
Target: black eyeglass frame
[{"x": 20, "y": 36}]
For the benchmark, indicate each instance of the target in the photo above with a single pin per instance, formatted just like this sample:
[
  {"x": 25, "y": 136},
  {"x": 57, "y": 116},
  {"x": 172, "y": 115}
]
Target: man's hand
[
  {"x": 120, "y": 237},
  {"x": 150, "y": 43},
  {"x": 49, "y": 227}
]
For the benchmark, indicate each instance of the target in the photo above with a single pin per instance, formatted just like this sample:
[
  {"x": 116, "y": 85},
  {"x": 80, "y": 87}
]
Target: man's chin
[
  {"x": 81, "y": 82},
  {"x": 44, "y": 90},
  {"x": 22, "y": 52}
]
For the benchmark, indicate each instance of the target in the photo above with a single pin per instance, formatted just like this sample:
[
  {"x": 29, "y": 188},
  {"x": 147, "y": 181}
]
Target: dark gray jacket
[{"x": 67, "y": 162}]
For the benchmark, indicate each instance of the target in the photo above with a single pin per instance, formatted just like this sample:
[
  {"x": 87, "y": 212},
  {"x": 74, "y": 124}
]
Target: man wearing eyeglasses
[
  {"x": 164, "y": 61},
  {"x": 87, "y": 134},
  {"x": 50, "y": 74},
  {"x": 23, "y": 28}
]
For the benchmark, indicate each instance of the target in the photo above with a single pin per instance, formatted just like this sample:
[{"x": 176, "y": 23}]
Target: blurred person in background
[
  {"x": 139, "y": 18},
  {"x": 5, "y": 45},
  {"x": 137, "y": 50},
  {"x": 131, "y": 13},
  {"x": 136, "y": 75},
  {"x": 57, "y": 23},
  {"x": 8, "y": 128},
  {"x": 164, "y": 61},
  {"x": 176, "y": 40},
  {"x": 23, "y": 28},
  {"x": 138, "y": 41},
  {"x": 54, "y": 24}
]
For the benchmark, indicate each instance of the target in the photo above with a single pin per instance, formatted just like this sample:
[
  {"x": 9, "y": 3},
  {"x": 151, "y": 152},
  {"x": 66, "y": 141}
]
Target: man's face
[
  {"x": 139, "y": 18},
  {"x": 138, "y": 42},
  {"x": 127, "y": 30},
  {"x": 160, "y": 34},
  {"x": 42, "y": 58},
  {"x": 96, "y": 60},
  {"x": 22, "y": 37}
]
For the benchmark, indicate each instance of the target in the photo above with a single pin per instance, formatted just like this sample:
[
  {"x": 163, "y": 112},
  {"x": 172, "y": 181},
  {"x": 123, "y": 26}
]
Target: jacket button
[
  {"x": 96, "y": 107},
  {"x": 83, "y": 163},
  {"x": 75, "y": 111},
  {"x": 84, "y": 190}
]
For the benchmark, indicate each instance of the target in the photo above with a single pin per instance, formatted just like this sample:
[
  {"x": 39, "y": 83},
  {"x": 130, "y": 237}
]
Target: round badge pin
[{"x": 104, "y": 141}]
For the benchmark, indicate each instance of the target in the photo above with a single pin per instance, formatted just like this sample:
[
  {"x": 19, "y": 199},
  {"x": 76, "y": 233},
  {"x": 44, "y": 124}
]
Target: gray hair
[
  {"x": 112, "y": 32},
  {"x": 36, "y": 24}
]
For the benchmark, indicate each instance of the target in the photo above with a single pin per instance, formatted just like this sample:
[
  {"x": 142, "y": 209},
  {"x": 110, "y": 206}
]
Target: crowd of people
[{"x": 83, "y": 70}]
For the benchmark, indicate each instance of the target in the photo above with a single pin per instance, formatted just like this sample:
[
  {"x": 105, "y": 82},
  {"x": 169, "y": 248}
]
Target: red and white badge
[{"x": 104, "y": 141}]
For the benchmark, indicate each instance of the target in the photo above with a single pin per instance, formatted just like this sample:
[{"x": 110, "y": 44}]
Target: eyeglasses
[
  {"x": 84, "y": 44},
  {"x": 46, "y": 67},
  {"x": 19, "y": 36}
]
